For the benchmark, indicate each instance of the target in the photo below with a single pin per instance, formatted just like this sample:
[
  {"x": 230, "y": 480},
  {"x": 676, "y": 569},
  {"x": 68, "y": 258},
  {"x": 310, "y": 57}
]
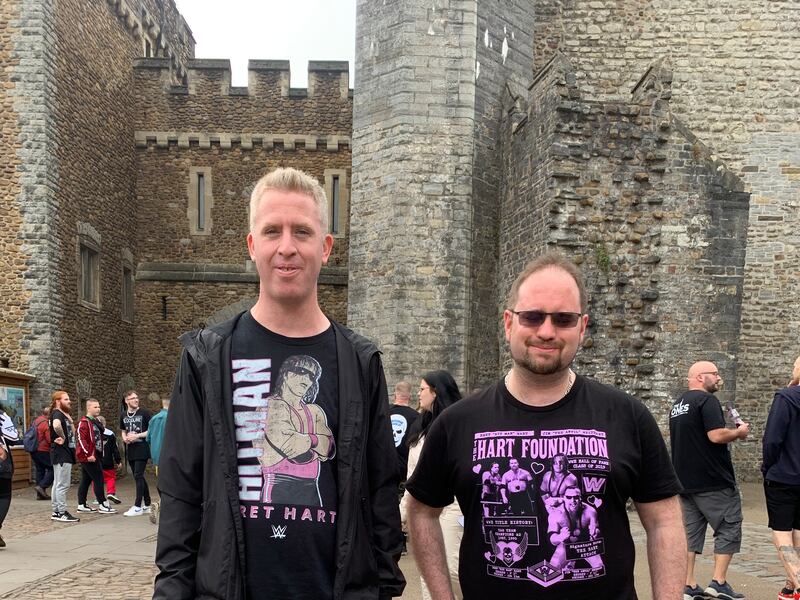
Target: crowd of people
[
  {"x": 282, "y": 452},
  {"x": 59, "y": 443}
]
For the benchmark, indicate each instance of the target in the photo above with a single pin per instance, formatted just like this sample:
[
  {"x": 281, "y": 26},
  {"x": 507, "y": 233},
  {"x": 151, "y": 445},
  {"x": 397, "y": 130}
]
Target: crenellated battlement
[{"x": 265, "y": 78}]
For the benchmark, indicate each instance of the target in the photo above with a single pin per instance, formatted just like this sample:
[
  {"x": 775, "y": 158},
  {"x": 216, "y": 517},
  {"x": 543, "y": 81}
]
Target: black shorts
[{"x": 783, "y": 505}]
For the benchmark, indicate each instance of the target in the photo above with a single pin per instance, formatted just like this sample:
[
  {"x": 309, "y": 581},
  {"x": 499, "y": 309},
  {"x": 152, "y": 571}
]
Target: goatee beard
[{"x": 538, "y": 369}]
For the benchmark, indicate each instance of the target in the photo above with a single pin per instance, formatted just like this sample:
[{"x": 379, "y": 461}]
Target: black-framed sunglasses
[{"x": 535, "y": 318}]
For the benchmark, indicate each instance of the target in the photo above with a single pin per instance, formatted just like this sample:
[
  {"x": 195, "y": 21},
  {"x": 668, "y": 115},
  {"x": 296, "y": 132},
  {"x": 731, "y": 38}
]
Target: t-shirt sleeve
[
  {"x": 122, "y": 424},
  {"x": 431, "y": 480},
  {"x": 711, "y": 412},
  {"x": 146, "y": 421},
  {"x": 656, "y": 479}
]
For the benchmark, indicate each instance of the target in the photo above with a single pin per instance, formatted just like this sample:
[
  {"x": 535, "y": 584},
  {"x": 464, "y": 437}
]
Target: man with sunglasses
[
  {"x": 539, "y": 410},
  {"x": 699, "y": 440},
  {"x": 278, "y": 474}
]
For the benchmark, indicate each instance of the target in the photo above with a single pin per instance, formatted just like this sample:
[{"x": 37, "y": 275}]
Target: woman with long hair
[{"x": 437, "y": 391}]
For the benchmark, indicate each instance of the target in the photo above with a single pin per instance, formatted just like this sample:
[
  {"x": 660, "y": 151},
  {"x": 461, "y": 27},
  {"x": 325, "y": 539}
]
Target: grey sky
[{"x": 298, "y": 30}]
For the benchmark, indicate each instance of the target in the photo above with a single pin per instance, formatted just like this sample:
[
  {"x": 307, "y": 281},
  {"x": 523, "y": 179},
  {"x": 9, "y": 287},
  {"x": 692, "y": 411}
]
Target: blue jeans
[{"x": 44, "y": 469}]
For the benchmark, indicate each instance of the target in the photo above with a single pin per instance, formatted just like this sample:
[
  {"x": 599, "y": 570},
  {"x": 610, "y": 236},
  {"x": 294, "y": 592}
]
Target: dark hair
[{"x": 447, "y": 393}]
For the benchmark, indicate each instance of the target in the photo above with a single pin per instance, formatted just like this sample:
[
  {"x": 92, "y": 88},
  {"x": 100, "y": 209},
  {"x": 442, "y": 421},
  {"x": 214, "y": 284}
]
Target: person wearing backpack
[{"x": 40, "y": 454}]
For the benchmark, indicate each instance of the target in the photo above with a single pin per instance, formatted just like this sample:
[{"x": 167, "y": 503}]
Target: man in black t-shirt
[
  {"x": 699, "y": 440},
  {"x": 402, "y": 417},
  {"x": 539, "y": 413},
  {"x": 133, "y": 424},
  {"x": 62, "y": 454},
  {"x": 278, "y": 476}
]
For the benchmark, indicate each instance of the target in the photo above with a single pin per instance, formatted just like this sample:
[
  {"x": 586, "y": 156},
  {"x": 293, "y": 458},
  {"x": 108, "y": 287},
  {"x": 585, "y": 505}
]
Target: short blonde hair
[{"x": 287, "y": 179}]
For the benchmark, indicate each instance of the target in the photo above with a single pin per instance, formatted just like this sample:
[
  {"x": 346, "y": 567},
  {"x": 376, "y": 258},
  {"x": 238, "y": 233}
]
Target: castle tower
[{"x": 426, "y": 174}]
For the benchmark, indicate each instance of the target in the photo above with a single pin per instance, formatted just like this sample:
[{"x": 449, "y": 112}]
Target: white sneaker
[
  {"x": 133, "y": 511},
  {"x": 147, "y": 509},
  {"x": 95, "y": 502},
  {"x": 84, "y": 508},
  {"x": 106, "y": 509}
]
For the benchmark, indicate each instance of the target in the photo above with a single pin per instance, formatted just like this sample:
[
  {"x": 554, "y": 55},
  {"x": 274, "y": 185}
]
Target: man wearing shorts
[
  {"x": 702, "y": 460},
  {"x": 781, "y": 469}
]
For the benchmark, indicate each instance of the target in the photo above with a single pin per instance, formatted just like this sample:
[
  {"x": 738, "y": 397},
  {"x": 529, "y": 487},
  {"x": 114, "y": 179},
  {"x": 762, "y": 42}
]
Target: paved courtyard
[{"x": 111, "y": 556}]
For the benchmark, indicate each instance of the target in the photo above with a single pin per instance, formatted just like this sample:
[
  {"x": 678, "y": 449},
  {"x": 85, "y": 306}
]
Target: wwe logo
[{"x": 278, "y": 532}]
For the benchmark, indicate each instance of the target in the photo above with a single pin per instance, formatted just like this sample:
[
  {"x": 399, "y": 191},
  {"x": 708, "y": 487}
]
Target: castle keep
[{"x": 656, "y": 143}]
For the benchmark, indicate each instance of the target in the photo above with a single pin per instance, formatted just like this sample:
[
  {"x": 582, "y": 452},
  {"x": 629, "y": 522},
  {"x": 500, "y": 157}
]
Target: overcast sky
[{"x": 298, "y": 30}]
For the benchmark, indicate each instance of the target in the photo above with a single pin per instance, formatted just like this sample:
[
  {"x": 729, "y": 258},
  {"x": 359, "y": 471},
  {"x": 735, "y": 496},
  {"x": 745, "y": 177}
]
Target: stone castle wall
[
  {"x": 657, "y": 226},
  {"x": 30, "y": 336},
  {"x": 12, "y": 256},
  {"x": 93, "y": 123},
  {"x": 411, "y": 219},
  {"x": 735, "y": 87}
]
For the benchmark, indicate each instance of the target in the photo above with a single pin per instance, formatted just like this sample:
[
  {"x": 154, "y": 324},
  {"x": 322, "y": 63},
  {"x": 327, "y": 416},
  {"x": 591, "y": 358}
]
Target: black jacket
[
  {"x": 781, "y": 446},
  {"x": 200, "y": 551}
]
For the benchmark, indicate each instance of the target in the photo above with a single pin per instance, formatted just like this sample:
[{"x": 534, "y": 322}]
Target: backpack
[{"x": 30, "y": 441}]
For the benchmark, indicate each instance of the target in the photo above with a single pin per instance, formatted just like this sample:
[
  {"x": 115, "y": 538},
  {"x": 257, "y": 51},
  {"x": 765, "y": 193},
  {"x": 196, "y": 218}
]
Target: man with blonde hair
[
  {"x": 781, "y": 470},
  {"x": 702, "y": 460},
  {"x": 278, "y": 475}
]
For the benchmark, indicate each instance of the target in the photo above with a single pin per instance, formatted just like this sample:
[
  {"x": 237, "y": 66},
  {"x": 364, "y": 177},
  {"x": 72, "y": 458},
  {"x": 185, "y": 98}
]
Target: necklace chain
[{"x": 570, "y": 382}]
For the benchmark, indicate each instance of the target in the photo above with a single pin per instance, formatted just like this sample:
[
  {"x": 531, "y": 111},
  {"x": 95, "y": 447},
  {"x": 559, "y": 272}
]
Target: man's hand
[
  {"x": 59, "y": 441},
  {"x": 743, "y": 429},
  {"x": 91, "y": 459}
]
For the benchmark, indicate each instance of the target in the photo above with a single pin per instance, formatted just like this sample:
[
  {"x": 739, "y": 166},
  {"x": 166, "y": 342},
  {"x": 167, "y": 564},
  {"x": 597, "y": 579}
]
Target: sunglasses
[{"x": 535, "y": 318}]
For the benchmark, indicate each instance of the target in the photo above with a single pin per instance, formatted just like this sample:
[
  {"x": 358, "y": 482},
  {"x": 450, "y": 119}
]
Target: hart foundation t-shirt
[
  {"x": 285, "y": 404},
  {"x": 543, "y": 490}
]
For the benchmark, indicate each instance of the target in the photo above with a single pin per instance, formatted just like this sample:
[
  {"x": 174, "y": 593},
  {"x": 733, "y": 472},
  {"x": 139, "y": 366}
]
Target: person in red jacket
[
  {"x": 41, "y": 458},
  {"x": 89, "y": 452}
]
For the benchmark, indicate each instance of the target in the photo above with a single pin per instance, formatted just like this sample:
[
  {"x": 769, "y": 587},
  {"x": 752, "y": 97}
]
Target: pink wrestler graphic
[{"x": 296, "y": 436}]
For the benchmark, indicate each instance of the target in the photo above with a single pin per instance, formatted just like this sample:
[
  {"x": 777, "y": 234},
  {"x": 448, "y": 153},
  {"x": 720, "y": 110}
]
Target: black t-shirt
[
  {"x": 574, "y": 544},
  {"x": 286, "y": 411},
  {"x": 62, "y": 453},
  {"x": 136, "y": 423},
  {"x": 701, "y": 465},
  {"x": 402, "y": 417}
]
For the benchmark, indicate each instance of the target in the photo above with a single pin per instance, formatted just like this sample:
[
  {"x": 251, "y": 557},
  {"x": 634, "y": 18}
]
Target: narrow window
[
  {"x": 201, "y": 202},
  {"x": 335, "y": 204},
  {"x": 148, "y": 49},
  {"x": 127, "y": 293},
  {"x": 90, "y": 266}
]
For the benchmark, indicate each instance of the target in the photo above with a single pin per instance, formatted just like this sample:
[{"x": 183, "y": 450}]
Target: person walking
[
  {"x": 437, "y": 391},
  {"x": 41, "y": 456},
  {"x": 781, "y": 470},
  {"x": 62, "y": 454},
  {"x": 8, "y": 436},
  {"x": 702, "y": 460}
]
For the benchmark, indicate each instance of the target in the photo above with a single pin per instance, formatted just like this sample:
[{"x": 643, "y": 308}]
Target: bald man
[{"x": 702, "y": 460}]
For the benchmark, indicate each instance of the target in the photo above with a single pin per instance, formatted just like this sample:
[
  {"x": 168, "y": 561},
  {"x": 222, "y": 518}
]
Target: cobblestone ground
[
  {"x": 756, "y": 567},
  {"x": 92, "y": 580}
]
